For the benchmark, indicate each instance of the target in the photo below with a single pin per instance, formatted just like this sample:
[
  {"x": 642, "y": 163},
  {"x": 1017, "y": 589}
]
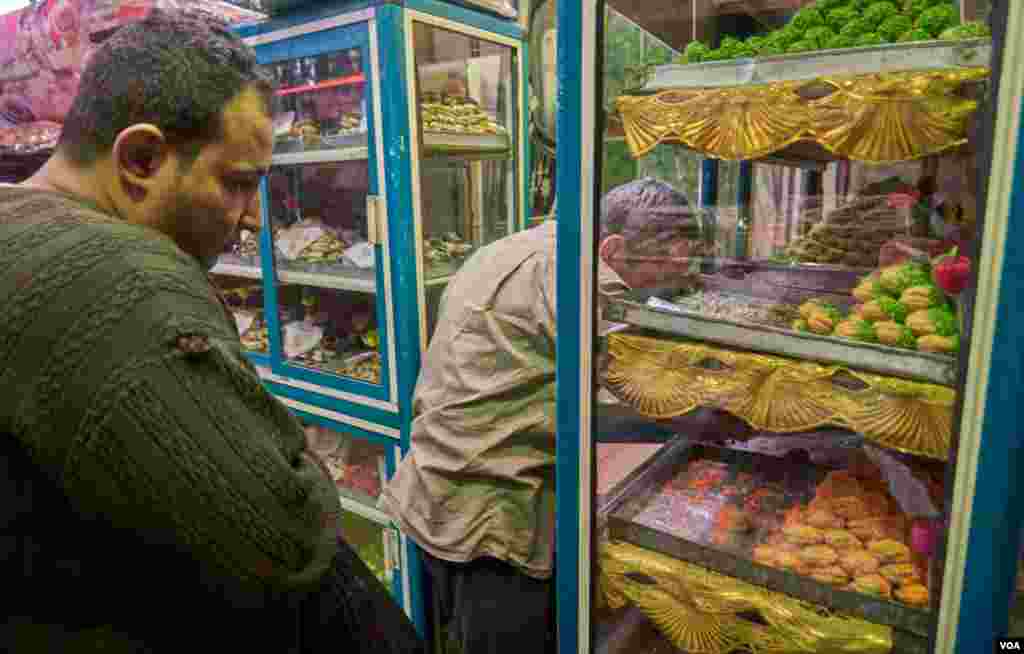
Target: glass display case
[
  {"x": 398, "y": 152},
  {"x": 467, "y": 189},
  {"x": 776, "y": 412}
]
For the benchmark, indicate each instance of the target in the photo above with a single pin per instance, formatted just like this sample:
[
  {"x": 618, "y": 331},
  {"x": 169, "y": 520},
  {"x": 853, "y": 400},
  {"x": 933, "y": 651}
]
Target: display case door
[
  {"x": 982, "y": 539},
  {"x": 324, "y": 242},
  {"x": 467, "y": 106},
  {"x": 360, "y": 461}
]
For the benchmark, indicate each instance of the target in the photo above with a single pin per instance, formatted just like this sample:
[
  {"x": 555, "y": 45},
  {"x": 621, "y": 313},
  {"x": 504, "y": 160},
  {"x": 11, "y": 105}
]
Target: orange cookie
[
  {"x": 803, "y": 535},
  {"x": 868, "y": 529},
  {"x": 859, "y": 562},
  {"x": 818, "y": 555},
  {"x": 840, "y": 539},
  {"x": 871, "y": 585},
  {"x": 787, "y": 561},
  {"x": 890, "y": 551},
  {"x": 833, "y": 575},
  {"x": 823, "y": 520},
  {"x": 901, "y": 574},
  {"x": 914, "y": 594},
  {"x": 850, "y": 507},
  {"x": 765, "y": 554}
]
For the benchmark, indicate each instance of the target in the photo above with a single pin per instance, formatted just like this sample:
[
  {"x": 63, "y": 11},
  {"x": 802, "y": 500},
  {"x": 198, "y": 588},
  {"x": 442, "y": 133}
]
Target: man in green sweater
[{"x": 153, "y": 495}]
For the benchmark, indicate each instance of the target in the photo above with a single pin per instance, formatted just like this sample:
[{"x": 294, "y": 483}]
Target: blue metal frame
[
  {"x": 344, "y": 37},
  {"x": 569, "y": 308},
  {"x": 997, "y": 513},
  {"x": 470, "y": 17},
  {"x": 397, "y": 136}
]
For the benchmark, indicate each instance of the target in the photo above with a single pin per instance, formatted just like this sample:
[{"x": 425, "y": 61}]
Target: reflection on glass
[
  {"x": 748, "y": 420},
  {"x": 332, "y": 331},
  {"x": 318, "y": 218},
  {"x": 357, "y": 466},
  {"x": 319, "y": 102},
  {"x": 467, "y": 107},
  {"x": 367, "y": 539},
  {"x": 244, "y": 299}
]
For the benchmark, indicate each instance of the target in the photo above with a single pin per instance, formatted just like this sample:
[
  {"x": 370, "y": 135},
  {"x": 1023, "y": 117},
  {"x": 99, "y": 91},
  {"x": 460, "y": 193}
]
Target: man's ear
[
  {"x": 139, "y": 154},
  {"x": 612, "y": 248}
]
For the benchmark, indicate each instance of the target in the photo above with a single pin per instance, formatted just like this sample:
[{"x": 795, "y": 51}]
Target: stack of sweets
[{"x": 852, "y": 535}]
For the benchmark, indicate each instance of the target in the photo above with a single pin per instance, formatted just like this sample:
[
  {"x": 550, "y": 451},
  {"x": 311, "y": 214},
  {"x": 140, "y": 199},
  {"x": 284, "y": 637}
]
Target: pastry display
[
  {"x": 852, "y": 234},
  {"x": 831, "y": 25},
  {"x": 447, "y": 249},
  {"x": 851, "y": 535},
  {"x": 326, "y": 249},
  {"x": 364, "y": 369},
  {"x": 859, "y": 562},
  {"x": 902, "y": 305},
  {"x": 455, "y": 114},
  {"x": 726, "y": 306}
]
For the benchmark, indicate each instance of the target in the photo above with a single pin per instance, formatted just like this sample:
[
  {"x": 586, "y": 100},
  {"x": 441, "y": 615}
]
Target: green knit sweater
[{"x": 123, "y": 378}]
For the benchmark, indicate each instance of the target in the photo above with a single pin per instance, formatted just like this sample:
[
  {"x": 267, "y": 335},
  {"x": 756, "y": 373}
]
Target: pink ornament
[{"x": 924, "y": 536}]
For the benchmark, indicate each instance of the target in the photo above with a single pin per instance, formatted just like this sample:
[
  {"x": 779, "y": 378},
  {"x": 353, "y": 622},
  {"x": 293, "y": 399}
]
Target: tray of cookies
[{"x": 831, "y": 537}]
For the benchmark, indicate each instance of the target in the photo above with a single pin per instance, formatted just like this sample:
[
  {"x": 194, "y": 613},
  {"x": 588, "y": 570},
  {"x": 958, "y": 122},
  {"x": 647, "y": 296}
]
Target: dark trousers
[{"x": 490, "y": 607}]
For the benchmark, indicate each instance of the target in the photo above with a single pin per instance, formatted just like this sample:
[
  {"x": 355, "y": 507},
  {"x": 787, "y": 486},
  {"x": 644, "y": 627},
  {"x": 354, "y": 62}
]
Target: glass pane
[
  {"x": 366, "y": 537},
  {"x": 244, "y": 298},
  {"x": 326, "y": 268},
  {"x": 467, "y": 105},
  {"x": 319, "y": 102},
  {"x": 330, "y": 331},
  {"x": 356, "y": 465},
  {"x": 777, "y": 385}
]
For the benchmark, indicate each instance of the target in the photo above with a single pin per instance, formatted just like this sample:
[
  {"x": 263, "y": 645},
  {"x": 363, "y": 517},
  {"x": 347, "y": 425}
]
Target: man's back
[{"x": 146, "y": 471}]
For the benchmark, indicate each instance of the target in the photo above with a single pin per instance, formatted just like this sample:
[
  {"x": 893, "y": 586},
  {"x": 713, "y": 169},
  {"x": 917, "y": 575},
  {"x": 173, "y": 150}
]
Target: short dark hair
[
  {"x": 174, "y": 70},
  {"x": 622, "y": 208}
]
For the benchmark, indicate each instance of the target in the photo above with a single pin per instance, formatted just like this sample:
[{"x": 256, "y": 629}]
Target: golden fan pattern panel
[
  {"x": 702, "y": 612},
  {"x": 876, "y": 118},
  {"x": 665, "y": 378}
]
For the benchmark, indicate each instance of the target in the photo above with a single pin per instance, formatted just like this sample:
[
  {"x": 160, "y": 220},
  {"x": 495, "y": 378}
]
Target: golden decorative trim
[
  {"x": 698, "y": 610},
  {"x": 666, "y": 378},
  {"x": 877, "y": 118}
]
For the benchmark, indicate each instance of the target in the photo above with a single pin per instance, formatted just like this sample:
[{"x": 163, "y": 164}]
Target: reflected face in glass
[{"x": 334, "y": 102}]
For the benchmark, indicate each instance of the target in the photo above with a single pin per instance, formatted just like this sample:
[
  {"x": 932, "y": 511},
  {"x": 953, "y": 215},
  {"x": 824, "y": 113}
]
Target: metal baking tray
[
  {"x": 632, "y": 308},
  {"x": 638, "y": 492},
  {"x": 923, "y": 55}
]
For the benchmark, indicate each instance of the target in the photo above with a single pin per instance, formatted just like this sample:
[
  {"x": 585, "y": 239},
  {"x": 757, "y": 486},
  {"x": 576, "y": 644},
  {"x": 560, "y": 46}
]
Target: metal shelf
[
  {"x": 466, "y": 144},
  {"x": 352, "y": 153},
  {"x": 868, "y": 357},
  {"x": 367, "y": 284}
]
